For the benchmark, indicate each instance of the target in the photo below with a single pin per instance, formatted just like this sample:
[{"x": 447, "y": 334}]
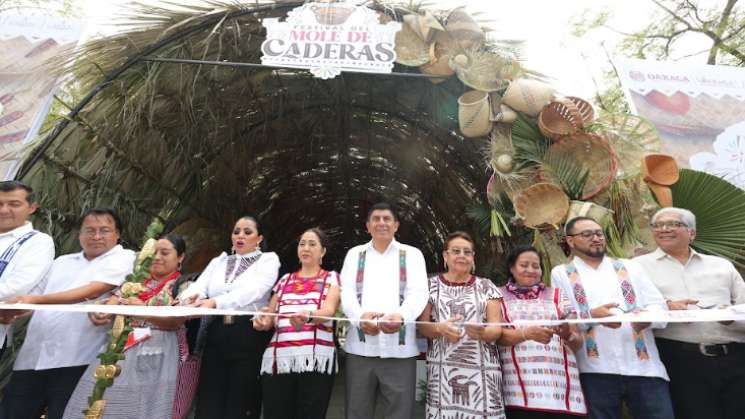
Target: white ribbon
[{"x": 731, "y": 313}]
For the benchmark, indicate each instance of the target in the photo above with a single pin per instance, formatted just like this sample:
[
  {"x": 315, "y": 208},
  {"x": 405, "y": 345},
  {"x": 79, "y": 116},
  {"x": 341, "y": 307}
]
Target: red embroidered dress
[
  {"x": 312, "y": 347},
  {"x": 536, "y": 376}
]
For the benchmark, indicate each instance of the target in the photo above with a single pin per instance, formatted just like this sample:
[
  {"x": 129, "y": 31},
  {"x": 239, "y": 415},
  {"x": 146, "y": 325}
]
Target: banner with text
[{"x": 699, "y": 111}]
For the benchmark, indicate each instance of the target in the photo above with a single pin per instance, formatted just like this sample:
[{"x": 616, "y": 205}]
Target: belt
[{"x": 710, "y": 350}]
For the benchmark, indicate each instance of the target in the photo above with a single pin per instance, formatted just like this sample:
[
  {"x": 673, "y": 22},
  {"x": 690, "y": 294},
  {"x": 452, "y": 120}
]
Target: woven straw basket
[
  {"x": 528, "y": 96},
  {"x": 590, "y": 151},
  {"x": 474, "y": 113},
  {"x": 410, "y": 49},
  {"x": 565, "y": 116},
  {"x": 332, "y": 14},
  {"x": 541, "y": 205}
]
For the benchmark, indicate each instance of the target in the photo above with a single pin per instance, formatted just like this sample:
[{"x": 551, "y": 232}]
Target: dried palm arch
[{"x": 201, "y": 145}]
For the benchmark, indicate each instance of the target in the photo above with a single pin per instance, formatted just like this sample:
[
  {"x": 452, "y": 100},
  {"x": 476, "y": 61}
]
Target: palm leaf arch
[{"x": 201, "y": 145}]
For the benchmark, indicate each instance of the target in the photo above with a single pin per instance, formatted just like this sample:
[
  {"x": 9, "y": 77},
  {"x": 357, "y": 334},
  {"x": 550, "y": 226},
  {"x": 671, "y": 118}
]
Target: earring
[{"x": 178, "y": 267}]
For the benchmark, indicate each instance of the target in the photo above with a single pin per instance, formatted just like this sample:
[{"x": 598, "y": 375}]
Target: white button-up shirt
[
  {"x": 616, "y": 346},
  {"x": 380, "y": 293},
  {"x": 27, "y": 268},
  {"x": 250, "y": 290},
  {"x": 57, "y": 339},
  {"x": 708, "y": 279}
]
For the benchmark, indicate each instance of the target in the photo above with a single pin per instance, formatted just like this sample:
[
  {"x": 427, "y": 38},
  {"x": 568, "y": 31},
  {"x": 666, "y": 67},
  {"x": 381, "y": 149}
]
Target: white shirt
[
  {"x": 57, "y": 339},
  {"x": 27, "y": 268},
  {"x": 250, "y": 290},
  {"x": 380, "y": 293},
  {"x": 708, "y": 279},
  {"x": 616, "y": 346}
]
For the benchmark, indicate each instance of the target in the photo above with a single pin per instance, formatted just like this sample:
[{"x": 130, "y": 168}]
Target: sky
[{"x": 575, "y": 65}]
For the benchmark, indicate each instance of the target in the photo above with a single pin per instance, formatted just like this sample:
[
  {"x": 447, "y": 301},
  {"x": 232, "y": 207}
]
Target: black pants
[
  {"x": 703, "y": 386},
  {"x": 513, "y": 413},
  {"x": 229, "y": 385},
  {"x": 30, "y": 391},
  {"x": 296, "y": 395}
]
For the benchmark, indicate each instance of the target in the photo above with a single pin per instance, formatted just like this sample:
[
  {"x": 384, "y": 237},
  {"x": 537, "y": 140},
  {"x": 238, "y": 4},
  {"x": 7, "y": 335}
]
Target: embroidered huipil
[
  {"x": 463, "y": 378},
  {"x": 381, "y": 292},
  {"x": 537, "y": 376},
  {"x": 26, "y": 271},
  {"x": 237, "y": 282},
  {"x": 615, "y": 350},
  {"x": 312, "y": 347}
]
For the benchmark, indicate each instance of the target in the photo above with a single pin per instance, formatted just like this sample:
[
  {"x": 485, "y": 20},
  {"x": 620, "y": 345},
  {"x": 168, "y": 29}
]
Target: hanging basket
[
  {"x": 542, "y": 205},
  {"x": 565, "y": 116},
  {"x": 528, "y": 96},
  {"x": 439, "y": 64},
  {"x": 410, "y": 49},
  {"x": 464, "y": 29},
  {"x": 589, "y": 151},
  {"x": 474, "y": 114}
]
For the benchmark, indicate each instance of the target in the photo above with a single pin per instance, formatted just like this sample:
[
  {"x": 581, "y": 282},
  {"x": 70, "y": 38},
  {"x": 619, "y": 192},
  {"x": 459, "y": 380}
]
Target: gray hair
[{"x": 686, "y": 216}]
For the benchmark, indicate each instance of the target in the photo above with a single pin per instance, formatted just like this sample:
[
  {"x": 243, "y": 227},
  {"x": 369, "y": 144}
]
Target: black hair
[
  {"x": 516, "y": 252},
  {"x": 382, "y": 206},
  {"x": 252, "y": 219},
  {"x": 178, "y": 243},
  {"x": 103, "y": 211},
  {"x": 570, "y": 225},
  {"x": 322, "y": 237},
  {"x": 14, "y": 185},
  {"x": 457, "y": 235}
]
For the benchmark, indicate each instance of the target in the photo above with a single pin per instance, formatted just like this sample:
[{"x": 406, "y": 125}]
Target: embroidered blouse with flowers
[
  {"x": 536, "y": 376},
  {"x": 237, "y": 281},
  {"x": 310, "y": 348}
]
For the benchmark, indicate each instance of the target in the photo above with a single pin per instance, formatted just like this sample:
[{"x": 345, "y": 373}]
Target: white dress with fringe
[{"x": 310, "y": 348}]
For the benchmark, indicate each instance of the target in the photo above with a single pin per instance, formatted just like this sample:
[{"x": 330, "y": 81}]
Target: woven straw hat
[
  {"x": 464, "y": 29},
  {"x": 541, "y": 205},
  {"x": 589, "y": 151},
  {"x": 588, "y": 209},
  {"x": 660, "y": 169},
  {"x": 424, "y": 26},
  {"x": 439, "y": 64},
  {"x": 474, "y": 113},
  {"x": 565, "y": 116},
  {"x": 528, "y": 96},
  {"x": 485, "y": 71},
  {"x": 411, "y": 50}
]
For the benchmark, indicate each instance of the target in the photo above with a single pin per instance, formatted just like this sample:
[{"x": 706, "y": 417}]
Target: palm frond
[
  {"x": 528, "y": 142},
  {"x": 719, "y": 207}
]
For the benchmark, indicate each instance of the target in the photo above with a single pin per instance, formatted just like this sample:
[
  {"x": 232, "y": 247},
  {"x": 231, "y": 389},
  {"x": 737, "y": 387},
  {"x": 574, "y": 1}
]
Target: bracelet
[{"x": 522, "y": 332}]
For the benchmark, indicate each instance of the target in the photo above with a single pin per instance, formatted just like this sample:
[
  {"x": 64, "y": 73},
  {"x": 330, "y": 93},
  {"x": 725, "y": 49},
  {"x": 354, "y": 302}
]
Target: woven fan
[
  {"x": 631, "y": 136},
  {"x": 485, "y": 71},
  {"x": 719, "y": 207},
  {"x": 589, "y": 152}
]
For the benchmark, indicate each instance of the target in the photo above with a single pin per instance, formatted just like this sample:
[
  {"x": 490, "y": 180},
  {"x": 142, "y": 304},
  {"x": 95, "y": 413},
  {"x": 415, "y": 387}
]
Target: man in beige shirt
[{"x": 705, "y": 361}]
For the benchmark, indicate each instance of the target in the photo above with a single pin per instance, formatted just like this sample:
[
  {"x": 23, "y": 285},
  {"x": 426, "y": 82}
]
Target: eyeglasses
[
  {"x": 457, "y": 252},
  {"x": 91, "y": 232},
  {"x": 668, "y": 225},
  {"x": 588, "y": 234}
]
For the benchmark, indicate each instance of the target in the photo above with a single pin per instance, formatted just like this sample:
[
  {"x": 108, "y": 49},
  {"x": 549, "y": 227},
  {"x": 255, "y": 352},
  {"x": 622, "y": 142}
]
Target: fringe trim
[{"x": 325, "y": 363}]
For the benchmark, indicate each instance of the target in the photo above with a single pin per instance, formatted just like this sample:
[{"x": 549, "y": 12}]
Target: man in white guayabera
[{"x": 384, "y": 283}]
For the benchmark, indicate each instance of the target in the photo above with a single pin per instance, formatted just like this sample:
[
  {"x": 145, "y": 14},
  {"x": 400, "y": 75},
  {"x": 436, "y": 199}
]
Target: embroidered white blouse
[
  {"x": 617, "y": 354},
  {"x": 236, "y": 288}
]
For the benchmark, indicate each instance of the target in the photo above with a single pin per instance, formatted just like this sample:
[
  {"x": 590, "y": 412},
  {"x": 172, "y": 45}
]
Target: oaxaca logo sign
[{"x": 328, "y": 38}]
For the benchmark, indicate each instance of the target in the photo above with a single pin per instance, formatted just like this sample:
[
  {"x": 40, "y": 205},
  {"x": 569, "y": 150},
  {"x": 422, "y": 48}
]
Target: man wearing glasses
[
  {"x": 384, "y": 283},
  {"x": 706, "y": 361},
  {"x": 60, "y": 345},
  {"x": 619, "y": 361}
]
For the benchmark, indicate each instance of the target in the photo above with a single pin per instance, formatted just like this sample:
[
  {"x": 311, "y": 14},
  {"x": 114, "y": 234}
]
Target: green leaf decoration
[
  {"x": 528, "y": 142},
  {"x": 569, "y": 175},
  {"x": 719, "y": 207}
]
